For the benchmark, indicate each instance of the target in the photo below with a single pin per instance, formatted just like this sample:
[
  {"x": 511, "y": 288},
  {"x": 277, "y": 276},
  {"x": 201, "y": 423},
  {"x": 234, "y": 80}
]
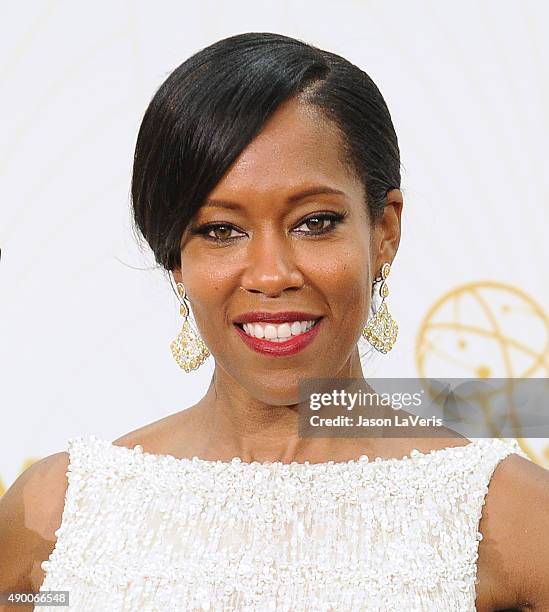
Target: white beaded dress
[{"x": 154, "y": 533}]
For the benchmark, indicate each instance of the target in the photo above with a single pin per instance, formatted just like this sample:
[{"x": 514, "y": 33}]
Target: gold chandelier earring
[
  {"x": 381, "y": 330},
  {"x": 188, "y": 349}
]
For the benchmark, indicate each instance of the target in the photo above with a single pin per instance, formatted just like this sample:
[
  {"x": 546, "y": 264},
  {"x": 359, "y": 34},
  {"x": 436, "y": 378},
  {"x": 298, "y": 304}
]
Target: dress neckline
[{"x": 238, "y": 463}]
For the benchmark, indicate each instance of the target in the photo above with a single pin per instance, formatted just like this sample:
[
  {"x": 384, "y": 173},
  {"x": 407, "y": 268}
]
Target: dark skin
[
  {"x": 269, "y": 257},
  {"x": 279, "y": 261}
]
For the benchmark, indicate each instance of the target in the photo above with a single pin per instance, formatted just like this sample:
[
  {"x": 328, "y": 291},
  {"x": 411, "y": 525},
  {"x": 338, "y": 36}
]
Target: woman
[{"x": 267, "y": 182}]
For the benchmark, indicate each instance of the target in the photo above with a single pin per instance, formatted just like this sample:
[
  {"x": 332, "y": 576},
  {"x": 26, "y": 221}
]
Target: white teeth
[
  {"x": 277, "y": 333},
  {"x": 295, "y": 328},
  {"x": 258, "y": 331},
  {"x": 284, "y": 330},
  {"x": 270, "y": 332}
]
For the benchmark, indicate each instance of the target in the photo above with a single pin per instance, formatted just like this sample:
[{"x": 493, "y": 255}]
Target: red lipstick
[{"x": 293, "y": 345}]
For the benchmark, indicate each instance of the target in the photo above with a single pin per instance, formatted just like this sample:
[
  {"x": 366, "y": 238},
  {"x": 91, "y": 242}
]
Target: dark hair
[{"x": 210, "y": 108}]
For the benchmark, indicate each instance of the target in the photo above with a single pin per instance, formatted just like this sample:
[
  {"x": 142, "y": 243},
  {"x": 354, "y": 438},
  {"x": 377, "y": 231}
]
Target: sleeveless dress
[{"x": 154, "y": 533}]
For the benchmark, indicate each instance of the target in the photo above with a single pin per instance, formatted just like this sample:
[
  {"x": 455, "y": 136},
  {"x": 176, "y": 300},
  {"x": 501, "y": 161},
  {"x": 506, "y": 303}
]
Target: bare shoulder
[
  {"x": 172, "y": 434},
  {"x": 515, "y": 529},
  {"x": 30, "y": 513}
]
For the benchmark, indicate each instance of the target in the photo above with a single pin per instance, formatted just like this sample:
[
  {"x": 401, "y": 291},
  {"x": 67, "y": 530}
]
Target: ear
[
  {"x": 388, "y": 228},
  {"x": 176, "y": 273}
]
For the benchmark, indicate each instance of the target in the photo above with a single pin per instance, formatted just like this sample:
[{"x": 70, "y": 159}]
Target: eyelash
[{"x": 335, "y": 218}]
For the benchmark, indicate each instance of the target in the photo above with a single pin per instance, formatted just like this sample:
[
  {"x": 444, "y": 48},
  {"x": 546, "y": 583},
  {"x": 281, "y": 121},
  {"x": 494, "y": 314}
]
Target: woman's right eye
[{"x": 218, "y": 232}]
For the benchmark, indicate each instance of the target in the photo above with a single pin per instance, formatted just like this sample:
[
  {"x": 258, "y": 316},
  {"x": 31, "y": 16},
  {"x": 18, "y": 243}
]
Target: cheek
[
  {"x": 343, "y": 280},
  {"x": 208, "y": 286}
]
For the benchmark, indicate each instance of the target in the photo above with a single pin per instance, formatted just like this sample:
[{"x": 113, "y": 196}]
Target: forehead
[{"x": 298, "y": 145}]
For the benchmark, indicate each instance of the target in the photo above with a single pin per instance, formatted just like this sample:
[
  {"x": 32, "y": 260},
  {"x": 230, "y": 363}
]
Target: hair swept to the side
[{"x": 213, "y": 105}]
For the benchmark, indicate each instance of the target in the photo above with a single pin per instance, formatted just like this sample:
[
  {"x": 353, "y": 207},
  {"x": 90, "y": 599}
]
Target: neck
[{"x": 236, "y": 422}]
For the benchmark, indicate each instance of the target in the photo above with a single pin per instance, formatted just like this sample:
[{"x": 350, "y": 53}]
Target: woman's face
[{"x": 261, "y": 244}]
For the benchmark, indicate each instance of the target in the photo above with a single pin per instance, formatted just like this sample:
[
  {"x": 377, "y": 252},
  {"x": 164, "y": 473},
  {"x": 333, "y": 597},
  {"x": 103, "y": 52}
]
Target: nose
[{"x": 270, "y": 266}]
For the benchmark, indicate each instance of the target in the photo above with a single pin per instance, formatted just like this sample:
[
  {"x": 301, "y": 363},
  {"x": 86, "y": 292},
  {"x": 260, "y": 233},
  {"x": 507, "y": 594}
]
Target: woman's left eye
[{"x": 320, "y": 223}]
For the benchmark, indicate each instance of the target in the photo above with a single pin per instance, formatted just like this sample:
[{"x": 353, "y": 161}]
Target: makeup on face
[
  {"x": 277, "y": 334},
  {"x": 277, "y": 258}
]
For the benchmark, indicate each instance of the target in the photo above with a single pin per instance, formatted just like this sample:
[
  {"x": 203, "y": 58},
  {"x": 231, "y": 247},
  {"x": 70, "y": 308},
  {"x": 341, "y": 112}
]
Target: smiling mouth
[{"x": 279, "y": 332}]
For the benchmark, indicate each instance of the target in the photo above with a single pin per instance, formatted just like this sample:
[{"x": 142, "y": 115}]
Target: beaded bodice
[{"x": 145, "y": 532}]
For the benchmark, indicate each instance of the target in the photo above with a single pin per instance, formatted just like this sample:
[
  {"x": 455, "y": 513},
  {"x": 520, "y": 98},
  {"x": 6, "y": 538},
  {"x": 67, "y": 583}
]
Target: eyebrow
[{"x": 290, "y": 200}]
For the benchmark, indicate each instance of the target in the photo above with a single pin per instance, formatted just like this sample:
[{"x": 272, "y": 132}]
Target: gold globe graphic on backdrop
[{"x": 485, "y": 329}]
